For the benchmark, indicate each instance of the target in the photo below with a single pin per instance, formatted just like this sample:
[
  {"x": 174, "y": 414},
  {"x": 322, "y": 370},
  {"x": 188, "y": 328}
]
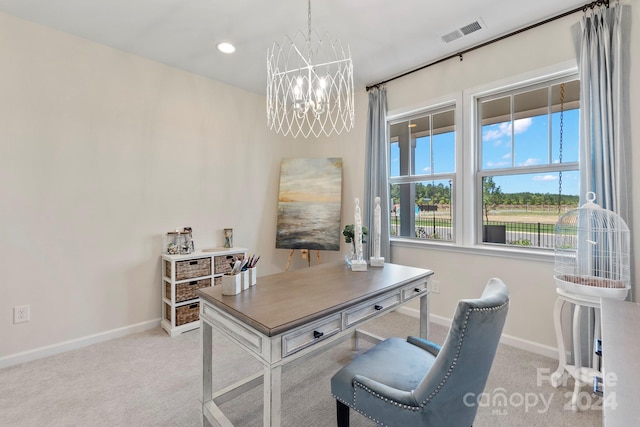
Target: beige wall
[{"x": 102, "y": 152}]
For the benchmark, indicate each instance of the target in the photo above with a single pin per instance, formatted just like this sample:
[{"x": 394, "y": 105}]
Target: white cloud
[
  {"x": 498, "y": 164},
  {"x": 495, "y": 133},
  {"x": 507, "y": 156},
  {"x": 426, "y": 169},
  {"x": 504, "y": 129},
  {"x": 545, "y": 178},
  {"x": 521, "y": 125},
  {"x": 530, "y": 162}
]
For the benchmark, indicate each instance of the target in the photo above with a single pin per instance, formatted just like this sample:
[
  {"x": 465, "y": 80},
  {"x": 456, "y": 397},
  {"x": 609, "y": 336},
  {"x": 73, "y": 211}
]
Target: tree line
[{"x": 440, "y": 194}]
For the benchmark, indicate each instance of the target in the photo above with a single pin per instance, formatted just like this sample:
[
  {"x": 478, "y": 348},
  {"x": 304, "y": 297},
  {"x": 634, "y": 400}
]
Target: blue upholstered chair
[{"x": 418, "y": 383}]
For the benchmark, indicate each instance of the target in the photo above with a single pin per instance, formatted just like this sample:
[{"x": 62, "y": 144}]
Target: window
[
  {"x": 527, "y": 171},
  {"x": 422, "y": 175},
  {"x": 502, "y": 180}
]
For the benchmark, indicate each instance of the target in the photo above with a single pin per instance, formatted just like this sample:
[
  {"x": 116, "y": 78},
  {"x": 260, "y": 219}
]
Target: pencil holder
[
  {"x": 253, "y": 274},
  {"x": 244, "y": 279},
  {"x": 231, "y": 284}
]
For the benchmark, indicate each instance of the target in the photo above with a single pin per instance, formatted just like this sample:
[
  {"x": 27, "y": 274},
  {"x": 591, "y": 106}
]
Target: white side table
[{"x": 580, "y": 374}]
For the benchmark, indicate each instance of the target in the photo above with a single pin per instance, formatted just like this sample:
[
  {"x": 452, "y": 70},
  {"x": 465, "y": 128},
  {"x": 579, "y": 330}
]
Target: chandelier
[{"x": 309, "y": 85}]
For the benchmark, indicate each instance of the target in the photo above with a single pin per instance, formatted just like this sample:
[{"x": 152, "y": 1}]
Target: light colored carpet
[{"x": 150, "y": 379}]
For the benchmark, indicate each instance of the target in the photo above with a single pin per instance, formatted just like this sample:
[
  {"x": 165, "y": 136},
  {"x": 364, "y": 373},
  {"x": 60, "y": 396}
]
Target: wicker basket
[
  {"x": 193, "y": 268},
  {"x": 185, "y": 313},
  {"x": 222, "y": 263},
  {"x": 187, "y": 290}
]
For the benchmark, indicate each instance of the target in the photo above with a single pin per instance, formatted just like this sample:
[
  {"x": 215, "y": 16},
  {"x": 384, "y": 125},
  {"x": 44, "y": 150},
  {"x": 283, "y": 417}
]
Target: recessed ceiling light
[{"x": 226, "y": 47}]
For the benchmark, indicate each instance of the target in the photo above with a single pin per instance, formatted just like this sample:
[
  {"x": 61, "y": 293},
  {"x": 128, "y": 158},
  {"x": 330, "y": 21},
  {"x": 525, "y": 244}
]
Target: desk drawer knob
[
  {"x": 417, "y": 289},
  {"x": 378, "y": 307},
  {"x": 193, "y": 262},
  {"x": 317, "y": 334}
]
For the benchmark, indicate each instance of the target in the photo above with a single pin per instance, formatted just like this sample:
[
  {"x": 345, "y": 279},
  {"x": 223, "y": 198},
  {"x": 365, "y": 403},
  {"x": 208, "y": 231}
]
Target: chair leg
[{"x": 342, "y": 412}]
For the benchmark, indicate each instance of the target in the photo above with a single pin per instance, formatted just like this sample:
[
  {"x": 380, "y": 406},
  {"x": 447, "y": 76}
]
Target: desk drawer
[
  {"x": 309, "y": 335},
  {"x": 370, "y": 309},
  {"x": 414, "y": 290}
]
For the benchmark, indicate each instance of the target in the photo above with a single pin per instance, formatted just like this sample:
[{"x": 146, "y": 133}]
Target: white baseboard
[
  {"x": 50, "y": 350},
  {"x": 534, "y": 347}
]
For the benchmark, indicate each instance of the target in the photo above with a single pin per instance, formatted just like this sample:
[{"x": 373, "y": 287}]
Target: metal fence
[
  {"x": 432, "y": 228},
  {"x": 509, "y": 233}
]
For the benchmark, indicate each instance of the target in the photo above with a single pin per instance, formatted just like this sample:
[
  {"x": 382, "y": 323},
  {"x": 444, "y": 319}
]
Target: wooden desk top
[{"x": 283, "y": 301}]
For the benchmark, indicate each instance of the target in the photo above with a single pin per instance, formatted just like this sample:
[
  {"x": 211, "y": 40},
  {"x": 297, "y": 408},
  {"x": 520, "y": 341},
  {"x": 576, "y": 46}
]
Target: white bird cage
[{"x": 592, "y": 248}]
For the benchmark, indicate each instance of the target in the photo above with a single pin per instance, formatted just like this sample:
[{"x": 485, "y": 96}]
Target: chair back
[{"x": 452, "y": 387}]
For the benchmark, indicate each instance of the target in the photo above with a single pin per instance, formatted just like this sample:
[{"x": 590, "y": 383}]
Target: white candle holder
[
  {"x": 358, "y": 265},
  {"x": 231, "y": 284},
  {"x": 376, "y": 262}
]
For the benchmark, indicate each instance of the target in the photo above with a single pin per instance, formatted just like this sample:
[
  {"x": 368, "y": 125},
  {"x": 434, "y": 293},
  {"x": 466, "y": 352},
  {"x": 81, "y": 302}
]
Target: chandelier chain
[
  {"x": 309, "y": 24},
  {"x": 560, "y": 155}
]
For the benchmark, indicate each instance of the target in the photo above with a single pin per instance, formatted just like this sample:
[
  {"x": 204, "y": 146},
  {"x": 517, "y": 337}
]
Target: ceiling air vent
[
  {"x": 468, "y": 29},
  {"x": 463, "y": 31}
]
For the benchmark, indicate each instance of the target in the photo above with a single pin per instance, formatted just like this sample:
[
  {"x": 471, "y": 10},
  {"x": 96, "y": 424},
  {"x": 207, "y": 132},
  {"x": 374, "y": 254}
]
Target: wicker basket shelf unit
[
  {"x": 182, "y": 275},
  {"x": 592, "y": 252}
]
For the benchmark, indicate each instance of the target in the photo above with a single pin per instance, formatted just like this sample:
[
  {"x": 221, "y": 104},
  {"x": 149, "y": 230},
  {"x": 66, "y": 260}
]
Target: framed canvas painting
[{"x": 309, "y": 204}]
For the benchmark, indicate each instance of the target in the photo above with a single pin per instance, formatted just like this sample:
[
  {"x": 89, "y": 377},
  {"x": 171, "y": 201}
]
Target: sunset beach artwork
[{"x": 309, "y": 204}]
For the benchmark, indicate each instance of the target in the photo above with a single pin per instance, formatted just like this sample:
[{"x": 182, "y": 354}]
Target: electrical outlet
[
  {"x": 435, "y": 286},
  {"x": 21, "y": 313}
]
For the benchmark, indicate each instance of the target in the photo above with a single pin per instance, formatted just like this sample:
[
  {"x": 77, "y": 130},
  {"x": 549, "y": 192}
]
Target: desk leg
[
  {"x": 424, "y": 316},
  {"x": 207, "y": 368},
  {"x": 272, "y": 396}
]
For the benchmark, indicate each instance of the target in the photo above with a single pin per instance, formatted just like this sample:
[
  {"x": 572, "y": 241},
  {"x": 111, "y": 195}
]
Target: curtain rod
[{"x": 584, "y": 8}]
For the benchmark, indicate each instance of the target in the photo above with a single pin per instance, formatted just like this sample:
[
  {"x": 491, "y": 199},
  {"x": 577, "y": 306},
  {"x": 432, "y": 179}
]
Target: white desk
[
  {"x": 620, "y": 363},
  {"x": 289, "y": 317}
]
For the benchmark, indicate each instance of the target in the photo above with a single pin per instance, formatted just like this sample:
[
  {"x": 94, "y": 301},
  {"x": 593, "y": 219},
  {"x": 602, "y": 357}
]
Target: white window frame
[
  {"x": 467, "y": 234},
  {"x": 472, "y": 150},
  {"x": 453, "y": 102}
]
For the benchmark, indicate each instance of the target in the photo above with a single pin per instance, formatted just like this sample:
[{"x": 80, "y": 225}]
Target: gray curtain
[
  {"x": 602, "y": 48},
  {"x": 375, "y": 179}
]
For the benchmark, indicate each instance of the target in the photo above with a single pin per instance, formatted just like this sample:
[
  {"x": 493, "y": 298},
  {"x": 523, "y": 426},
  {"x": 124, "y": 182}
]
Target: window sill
[{"x": 539, "y": 255}]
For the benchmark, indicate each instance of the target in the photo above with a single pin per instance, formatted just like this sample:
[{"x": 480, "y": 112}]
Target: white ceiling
[{"x": 386, "y": 37}]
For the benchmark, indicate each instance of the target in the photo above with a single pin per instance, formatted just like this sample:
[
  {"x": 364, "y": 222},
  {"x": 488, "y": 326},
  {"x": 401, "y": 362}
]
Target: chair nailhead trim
[
  {"x": 455, "y": 357},
  {"x": 379, "y": 396}
]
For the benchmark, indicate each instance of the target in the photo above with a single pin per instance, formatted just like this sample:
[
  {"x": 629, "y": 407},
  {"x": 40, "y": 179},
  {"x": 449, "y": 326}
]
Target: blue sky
[{"x": 530, "y": 136}]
